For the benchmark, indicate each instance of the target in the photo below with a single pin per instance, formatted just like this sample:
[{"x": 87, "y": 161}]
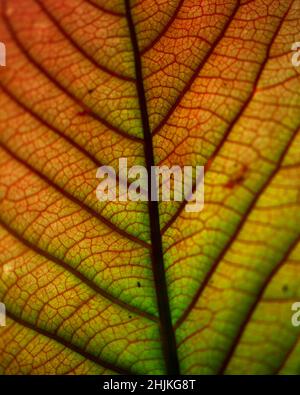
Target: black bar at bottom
[{"x": 134, "y": 384}]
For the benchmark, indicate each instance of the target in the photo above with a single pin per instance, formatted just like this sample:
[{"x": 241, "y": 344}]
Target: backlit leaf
[{"x": 129, "y": 287}]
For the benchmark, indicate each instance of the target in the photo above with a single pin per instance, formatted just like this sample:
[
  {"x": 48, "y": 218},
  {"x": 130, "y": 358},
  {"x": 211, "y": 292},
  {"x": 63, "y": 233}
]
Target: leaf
[{"x": 126, "y": 287}]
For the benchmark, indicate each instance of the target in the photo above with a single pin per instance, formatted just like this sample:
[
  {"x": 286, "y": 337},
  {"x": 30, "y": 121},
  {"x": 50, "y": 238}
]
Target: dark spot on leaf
[
  {"x": 237, "y": 179},
  {"x": 139, "y": 284},
  {"x": 285, "y": 288},
  {"x": 83, "y": 113},
  {"x": 232, "y": 183}
]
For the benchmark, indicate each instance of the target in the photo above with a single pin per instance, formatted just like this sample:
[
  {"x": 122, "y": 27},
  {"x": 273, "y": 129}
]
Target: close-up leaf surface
[{"x": 125, "y": 287}]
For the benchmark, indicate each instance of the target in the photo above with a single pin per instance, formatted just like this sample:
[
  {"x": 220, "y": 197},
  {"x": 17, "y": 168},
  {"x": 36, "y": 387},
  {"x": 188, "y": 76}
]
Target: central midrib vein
[{"x": 166, "y": 327}]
